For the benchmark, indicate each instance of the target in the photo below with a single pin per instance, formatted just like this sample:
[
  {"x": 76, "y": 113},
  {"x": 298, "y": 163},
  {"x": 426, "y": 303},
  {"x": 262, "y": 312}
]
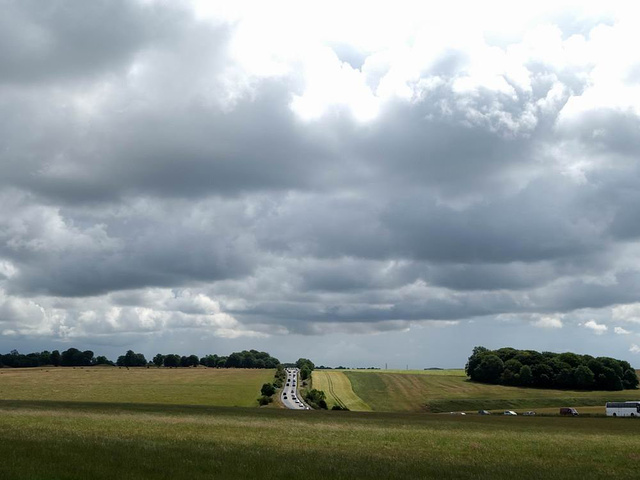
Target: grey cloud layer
[{"x": 139, "y": 157}]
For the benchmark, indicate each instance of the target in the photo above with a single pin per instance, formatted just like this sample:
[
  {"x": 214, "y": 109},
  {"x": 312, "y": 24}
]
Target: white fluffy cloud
[
  {"x": 598, "y": 328},
  {"x": 626, "y": 313},
  {"x": 549, "y": 322},
  {"x": 621, "y": 331}
]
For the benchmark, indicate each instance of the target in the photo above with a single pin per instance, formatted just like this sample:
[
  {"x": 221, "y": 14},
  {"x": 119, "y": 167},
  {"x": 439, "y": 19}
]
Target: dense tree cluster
[
  {"x": 508, "y": 366},
  {"x": 68, "y": 358},
  {"x": 131, "y": 359},
  {"x": 243, "y": 359},
  {"x": 76, "y": 358},
  {"x": 306, "y": 366}
]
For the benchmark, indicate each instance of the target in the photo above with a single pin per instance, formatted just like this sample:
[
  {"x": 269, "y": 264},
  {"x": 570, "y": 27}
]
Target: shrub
[{"x": 267, "y": 390}]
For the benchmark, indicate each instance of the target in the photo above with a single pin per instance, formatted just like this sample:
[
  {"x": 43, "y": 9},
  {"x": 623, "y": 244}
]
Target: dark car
[
  {"x": 484, "y": 412},
  {"x": 569, "y": 412}
]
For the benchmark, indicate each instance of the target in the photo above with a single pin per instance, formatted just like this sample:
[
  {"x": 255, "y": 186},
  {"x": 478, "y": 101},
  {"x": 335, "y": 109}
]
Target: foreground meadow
[
  {"x": 184, "y": 386},
  {"x": 56, "y": 440}
]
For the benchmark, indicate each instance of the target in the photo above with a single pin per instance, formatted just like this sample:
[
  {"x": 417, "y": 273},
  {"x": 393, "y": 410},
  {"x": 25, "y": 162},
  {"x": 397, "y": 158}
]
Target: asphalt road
[{"x": 289, "y": 395}]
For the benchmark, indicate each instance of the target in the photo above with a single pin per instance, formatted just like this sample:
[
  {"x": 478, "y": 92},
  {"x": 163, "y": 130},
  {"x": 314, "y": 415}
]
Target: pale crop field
[
  {"x": 177, "y": 386},
  {"x": 337, "y": 387}
]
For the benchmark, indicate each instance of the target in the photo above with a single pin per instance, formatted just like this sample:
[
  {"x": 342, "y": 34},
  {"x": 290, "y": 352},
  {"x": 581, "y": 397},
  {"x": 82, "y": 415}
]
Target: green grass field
[
  {"x": 185, "y": 386},
  {"x": 337, "y": 387},
  {"x": 65, "y": 440},
  {"x": 459, "y": 372},
  {"x": 385, "y": 391}
]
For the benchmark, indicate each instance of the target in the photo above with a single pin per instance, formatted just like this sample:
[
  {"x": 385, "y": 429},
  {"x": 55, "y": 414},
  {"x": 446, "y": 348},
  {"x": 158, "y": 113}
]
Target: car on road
[
  {"x": 510, "y": 413},
  {"x": 529, "y": 413},
  {"x": 567, "y": 411},
  {"x": 484, "y": 412}
]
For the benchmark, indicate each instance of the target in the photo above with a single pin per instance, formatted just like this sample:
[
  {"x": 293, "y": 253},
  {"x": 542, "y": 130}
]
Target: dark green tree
[
  {"x": 172, "y": 360},
  {"x": 102, "y": 360},
  {"x": 630, "y": 379},
  {"x": 489, "y": 370},
  {"x": 55, "y": 358},
  {"x": 305, "y": 361},
  {"x": 267, "y": 390},
  {"x": 526, "y": 376},
  {"x": 158, "y": 360},
  {"x": 584, "y": 378},
  {"x": 305, "y": 372}
]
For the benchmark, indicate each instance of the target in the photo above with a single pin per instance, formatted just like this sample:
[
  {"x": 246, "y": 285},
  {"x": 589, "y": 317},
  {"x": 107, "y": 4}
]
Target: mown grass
[
  {"x": 337, "y": 388},
  {"x": 443, "y": 393},
  {"x": 187, "y": 386},
  {"x": 127, "y": 441}
]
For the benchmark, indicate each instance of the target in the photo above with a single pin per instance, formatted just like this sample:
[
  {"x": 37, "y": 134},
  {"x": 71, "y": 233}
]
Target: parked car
[
  {"x": 484, "y": 412},
  {"x": 529, "y": 413},
  {"x": 568, "y": 411},
  {"x": 510, "y": 412}
]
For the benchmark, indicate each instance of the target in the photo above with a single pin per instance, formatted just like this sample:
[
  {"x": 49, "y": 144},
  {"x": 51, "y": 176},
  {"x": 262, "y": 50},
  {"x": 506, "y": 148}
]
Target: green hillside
[{"x": 389, "y": 392}]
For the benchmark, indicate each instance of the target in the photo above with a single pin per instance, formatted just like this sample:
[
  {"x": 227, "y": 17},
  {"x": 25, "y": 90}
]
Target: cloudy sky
[{"x": 355, "y": 183}]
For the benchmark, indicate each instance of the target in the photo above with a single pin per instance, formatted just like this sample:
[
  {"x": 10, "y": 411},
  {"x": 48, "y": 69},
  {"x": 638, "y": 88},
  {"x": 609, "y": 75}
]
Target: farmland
[
  {"x": 443, "y": 391},
  {"x": 128, "y": 441},
  {"x": 384, "y": 391},
  {"x": 186, "y": 386},
  {"x": 337, "y": 387},
  {"x": 178, "y": 424}
]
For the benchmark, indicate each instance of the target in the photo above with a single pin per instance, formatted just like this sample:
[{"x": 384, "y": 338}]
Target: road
[{"x": 289, "y": 395}]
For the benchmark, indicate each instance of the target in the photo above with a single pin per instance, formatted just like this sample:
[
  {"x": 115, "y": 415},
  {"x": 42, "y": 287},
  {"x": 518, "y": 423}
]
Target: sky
[{"x": 360, "y": 183}]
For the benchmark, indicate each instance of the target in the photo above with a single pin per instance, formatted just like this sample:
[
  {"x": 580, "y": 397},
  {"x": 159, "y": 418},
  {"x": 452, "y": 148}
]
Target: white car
[{"x": 510, "y": 413}]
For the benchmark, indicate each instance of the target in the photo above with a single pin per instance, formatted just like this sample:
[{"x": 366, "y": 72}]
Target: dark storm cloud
[
  {"x": 148, "y": 182},
  {"x": 64, "y": 39},
  {"x": 153, "y": 245}
]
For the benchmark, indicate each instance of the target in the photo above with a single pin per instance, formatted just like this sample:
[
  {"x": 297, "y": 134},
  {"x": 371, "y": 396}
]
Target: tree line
[
  {"x": 73, "y": 357},
  {"x": 529, "y": 368},
  {"x": 243, "y": 359}
]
